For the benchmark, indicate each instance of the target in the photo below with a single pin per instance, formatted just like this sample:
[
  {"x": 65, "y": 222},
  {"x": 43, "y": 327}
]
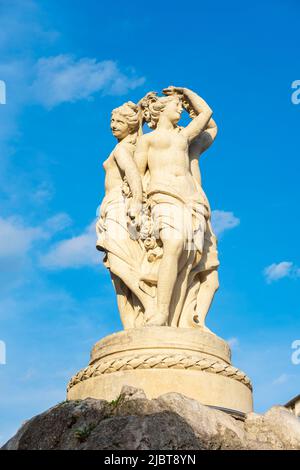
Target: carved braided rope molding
[{"x": 160, "y": 361}]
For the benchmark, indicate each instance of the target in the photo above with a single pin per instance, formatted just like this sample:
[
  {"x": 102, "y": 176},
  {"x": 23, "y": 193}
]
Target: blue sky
[{"x": 66, "y": 64}]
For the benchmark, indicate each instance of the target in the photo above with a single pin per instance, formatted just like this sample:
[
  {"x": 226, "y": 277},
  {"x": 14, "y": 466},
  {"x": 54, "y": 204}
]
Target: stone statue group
[{"x": 154, "y": 224}]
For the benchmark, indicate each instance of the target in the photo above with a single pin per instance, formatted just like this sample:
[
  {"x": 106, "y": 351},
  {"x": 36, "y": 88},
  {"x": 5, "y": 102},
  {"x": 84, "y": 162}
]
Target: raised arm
[
  {"x": 199, "y": 145},
  {"x": 204, "y": 140},
  {"x": 203, "y": 111},
  {"x": 209, "y": 135}
]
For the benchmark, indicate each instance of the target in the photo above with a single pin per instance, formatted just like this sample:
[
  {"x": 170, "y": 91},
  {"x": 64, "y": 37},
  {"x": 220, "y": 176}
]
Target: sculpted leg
[
  {"x": 127, "y": 312},
  {"x": 120, "y": 269},
  {"x": 167, "y": 275},
  {"x": 180, "y": 288},
  {"x": 208, "y": 287}
]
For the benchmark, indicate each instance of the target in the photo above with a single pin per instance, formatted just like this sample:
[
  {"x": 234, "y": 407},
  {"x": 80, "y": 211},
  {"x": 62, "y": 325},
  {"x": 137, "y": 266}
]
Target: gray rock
[
  {"x": 278, "y": 428},
  {"x": 169, "y": 422},
  {"x": 216, "y": 429},
  {"x": 130, "y": 392}
]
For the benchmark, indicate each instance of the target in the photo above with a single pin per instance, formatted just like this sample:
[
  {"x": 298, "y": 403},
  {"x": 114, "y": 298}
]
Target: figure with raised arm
[
  {"x": 203, "y": 280},
  {"x": 178, "y": 206}
]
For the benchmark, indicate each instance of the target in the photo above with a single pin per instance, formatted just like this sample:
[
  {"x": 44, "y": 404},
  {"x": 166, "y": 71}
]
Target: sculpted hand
[
  {"x": 172, "y": 90},
  {"x": 134, "y": 211}
]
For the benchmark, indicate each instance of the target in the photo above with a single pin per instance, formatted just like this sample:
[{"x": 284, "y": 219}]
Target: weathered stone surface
[
  {"x": 150, "y": 187},
  {"x": 216, "y": 429},
  {"x": 160, "y": 360},
  {"x": 169, "y": 422},
  {"x": 278, "y": 428},
  {"x": 58, "y": 427},
  {"x": 129, "y": 392}
]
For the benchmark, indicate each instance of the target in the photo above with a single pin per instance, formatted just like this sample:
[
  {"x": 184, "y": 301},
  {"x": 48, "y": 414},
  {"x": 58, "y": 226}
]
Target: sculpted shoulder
[
  {"x": 144, "y": 138},
  {"x": 111, "y": 160},
  {"x": 129, "y": 146}
]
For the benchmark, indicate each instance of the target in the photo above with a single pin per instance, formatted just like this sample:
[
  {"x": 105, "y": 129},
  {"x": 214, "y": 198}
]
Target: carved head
[
  {"x": 153, "y": 107},
  {"x": 125, "y": 120}
]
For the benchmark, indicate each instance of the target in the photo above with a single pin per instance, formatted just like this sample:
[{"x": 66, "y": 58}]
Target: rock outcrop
[{"x": 169, "y": 422}]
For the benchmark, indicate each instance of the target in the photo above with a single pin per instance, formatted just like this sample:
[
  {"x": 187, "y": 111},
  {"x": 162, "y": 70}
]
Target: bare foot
[
  {"x": 149, "y": 313},
  {"x": 157, "y": 320},
  {"x": 196, "y": 323},
  {"x": 204, "y": 328}
]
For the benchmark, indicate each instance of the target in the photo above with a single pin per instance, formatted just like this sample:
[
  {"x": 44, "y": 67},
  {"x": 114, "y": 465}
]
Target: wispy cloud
[
  {"x": 20, "y": 245},
  {"x": 222, "y": 221},
  {"x": 63, "y": 79},
  {"x": 234, "y": 343},
  {"x": 75, "y": 252},
  {"x": 281, "y": 379},
  {"x": 43, "y": 193},
  {"x": 21, "y": 29},
  {"x": 16, "y": 238},
  {"x": 277, "y": 271},
  {"x": 57, "y": 223},
  {"x": 45, "y": 81}
]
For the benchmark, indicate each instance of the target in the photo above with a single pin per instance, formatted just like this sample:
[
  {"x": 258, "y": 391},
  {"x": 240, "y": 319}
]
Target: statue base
[{"x": 159, "y": 360}]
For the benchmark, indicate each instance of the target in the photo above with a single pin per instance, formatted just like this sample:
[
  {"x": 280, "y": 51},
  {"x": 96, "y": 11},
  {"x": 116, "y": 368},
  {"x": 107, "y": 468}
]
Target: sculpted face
[
  {"x": 119, "y": 126},
  {"x": 173, "y": 109}
]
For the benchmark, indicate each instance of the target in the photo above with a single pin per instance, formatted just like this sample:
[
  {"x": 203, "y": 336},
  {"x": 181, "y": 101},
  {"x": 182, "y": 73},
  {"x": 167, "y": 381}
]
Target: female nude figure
[
  {"x": 173, "y": 191},
  {"x": 204, "y": 280},
  {"x": 122, "y": 202}
]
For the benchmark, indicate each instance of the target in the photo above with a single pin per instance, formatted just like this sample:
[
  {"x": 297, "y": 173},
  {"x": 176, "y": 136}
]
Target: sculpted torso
[
  {"x": 154, "y": 218},
  {"x": 113, "y": 173},
  {"x": 168, "y": 160}
]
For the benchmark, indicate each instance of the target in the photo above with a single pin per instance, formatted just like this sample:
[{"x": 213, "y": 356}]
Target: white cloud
[
  {"x": 277, "y": 271},
  {"x": 28, "y": 375},
  {"x": 57, "y": 223},
  {"x": 16, "y": 238},
  {"x": 233, "y": 343},
  {"x": 43, "y": 193},
  {"x": 222, "y": 220},
  {"x": 48, "y": 81},
  {"x": 63, "y": 79},
  {"x": 283, "y": 378},
  {"x": 21, "y": 28},
  {"x": 74, "y": 252}
]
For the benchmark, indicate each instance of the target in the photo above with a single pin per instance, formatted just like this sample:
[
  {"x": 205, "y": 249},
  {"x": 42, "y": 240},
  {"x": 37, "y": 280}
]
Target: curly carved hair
[
  {"x": 152, "y": 106},
  {"x": 131, "y": 113}
]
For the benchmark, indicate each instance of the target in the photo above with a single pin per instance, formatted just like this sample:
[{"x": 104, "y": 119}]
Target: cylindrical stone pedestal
[{"x": 163, "y": 359}]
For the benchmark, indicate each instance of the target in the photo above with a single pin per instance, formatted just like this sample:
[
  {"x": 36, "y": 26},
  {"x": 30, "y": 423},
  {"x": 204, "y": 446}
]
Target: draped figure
[{"x": 155, "y": 219}]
